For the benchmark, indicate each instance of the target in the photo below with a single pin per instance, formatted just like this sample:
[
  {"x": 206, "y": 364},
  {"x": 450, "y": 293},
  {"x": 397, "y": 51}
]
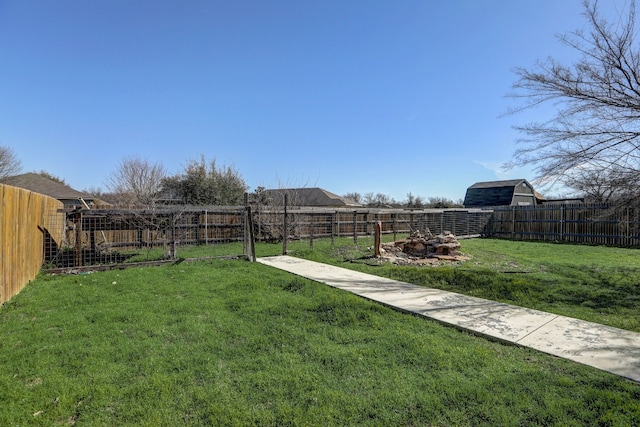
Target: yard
[
  {"x": 228, "y": 342},
  {"x": 594, "y": 283}
]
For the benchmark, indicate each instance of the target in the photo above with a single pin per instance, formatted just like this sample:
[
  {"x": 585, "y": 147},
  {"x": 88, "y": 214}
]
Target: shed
[
  {"x": 43, "y": 185},
  {"x": 513, "y": 192},
  {"x": 311, "y": 197}
]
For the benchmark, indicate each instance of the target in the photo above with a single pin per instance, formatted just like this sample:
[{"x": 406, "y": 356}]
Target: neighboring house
[
  {"x": 40, "y": 184},
  {"x": 308, "y": 197},
  {"x": 514, "y": 192}
]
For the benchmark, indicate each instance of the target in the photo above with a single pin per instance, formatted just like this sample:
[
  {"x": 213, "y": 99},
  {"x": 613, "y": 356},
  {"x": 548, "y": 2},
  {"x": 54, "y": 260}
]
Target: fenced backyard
[
  {"x": 285, "y": 342},
  {"x": 113, "y": 236},
  {"x": 38, "y": 231}
]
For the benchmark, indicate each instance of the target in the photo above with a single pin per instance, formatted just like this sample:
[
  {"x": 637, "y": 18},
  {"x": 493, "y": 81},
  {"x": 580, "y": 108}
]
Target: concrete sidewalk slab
[{"x": 610, "y": 349}]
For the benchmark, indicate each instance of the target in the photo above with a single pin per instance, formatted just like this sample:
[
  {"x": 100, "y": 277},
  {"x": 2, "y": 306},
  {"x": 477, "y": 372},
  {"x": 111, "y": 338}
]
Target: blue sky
[{"x": 360, "y": 96}]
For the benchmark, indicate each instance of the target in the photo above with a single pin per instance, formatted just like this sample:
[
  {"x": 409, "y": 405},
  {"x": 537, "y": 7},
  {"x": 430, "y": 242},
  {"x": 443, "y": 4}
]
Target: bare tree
[
  {"x": 442, "y": 203},
  {"x": 378, "y": 200},
  {"x": 611, "y": 186},
  {"x": 414, "y": 202},
  {"x": 137, "y": 182},
  {"x": 356, "y": 197},
  {"x": 9, "y": 163},
  {"x": 597, "y": 125},
  {"x": 94, "y": 191},
  {"x": 270, "y": 207}
]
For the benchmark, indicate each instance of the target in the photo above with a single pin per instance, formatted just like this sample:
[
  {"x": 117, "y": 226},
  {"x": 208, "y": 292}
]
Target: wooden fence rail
[{"x": 27, "y": 222}]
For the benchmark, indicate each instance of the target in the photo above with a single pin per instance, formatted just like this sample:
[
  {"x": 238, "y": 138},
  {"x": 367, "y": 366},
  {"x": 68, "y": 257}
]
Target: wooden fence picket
[{"x": 25, "y": 219}]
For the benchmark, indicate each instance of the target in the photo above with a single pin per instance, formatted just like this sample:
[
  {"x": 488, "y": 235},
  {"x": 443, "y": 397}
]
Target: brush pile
[{"x": 424, "y": 248}]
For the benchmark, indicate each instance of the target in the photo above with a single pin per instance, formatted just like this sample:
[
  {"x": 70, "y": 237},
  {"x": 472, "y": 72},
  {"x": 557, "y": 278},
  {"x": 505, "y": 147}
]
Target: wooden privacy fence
[
  {"x": 28, "y": 221},
  {"x": 590, "y": 224}
]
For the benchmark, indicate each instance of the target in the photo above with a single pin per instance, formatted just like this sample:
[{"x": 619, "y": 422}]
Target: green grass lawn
[
  {"x": 237, "y": 343},
  {"x": 593, "y": 283}
]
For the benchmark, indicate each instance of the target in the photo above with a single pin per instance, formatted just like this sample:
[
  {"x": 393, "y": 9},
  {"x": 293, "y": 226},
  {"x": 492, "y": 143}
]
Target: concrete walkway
[{"x": 610, "y": 349}]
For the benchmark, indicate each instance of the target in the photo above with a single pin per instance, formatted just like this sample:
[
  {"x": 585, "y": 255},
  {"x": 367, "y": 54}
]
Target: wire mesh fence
[
  {"x": 111, "y": 236},
  {"x": 357, "y": 227},
  {"x": 108, "y": 236}
]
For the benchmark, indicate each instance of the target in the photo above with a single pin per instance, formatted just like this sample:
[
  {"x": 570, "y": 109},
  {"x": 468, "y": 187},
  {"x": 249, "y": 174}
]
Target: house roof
[
  {"x": 494, "y": 193},
  {"x": 311, "y": 197},
  {"x": 40, "y": 184}
]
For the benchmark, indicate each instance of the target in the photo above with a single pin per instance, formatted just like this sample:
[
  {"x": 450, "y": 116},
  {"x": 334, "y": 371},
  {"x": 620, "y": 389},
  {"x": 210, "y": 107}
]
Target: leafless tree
[
  {"x": 379, "y": 200},
  {"x": 356, "y": 197},
  {"x": 442, "y": 203},
  {"x": 137, "y": 182},
  {"x": 611, "y": 187},
  {"x": 597, "y": 124},
  {"x": 9, "y": 163},
  {"x": 270, "y": 207},
  {"x": 414, "y": 202}
]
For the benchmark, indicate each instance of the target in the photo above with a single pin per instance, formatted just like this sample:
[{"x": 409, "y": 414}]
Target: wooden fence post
[
  {"x": 284, "y": 225},
  {"x": 174, "y": 245},
  {"x": 78, "y": 239},
  {"x": 377, "y": 250},
  {"x": 627, "y": 238},
  {"x": 365, "y": 218},
  {"x": 393, "y": 225},
  {"x": 355, "y": 227},
  {"x": 334, "y": 217},
  {"x": 249, "y": 238},
  {"x": 206, "y": 227},
  {"x": 246, "y": 231},
  {"x": 561, "y": 223},
  {"x": 311, "y": 225}
]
